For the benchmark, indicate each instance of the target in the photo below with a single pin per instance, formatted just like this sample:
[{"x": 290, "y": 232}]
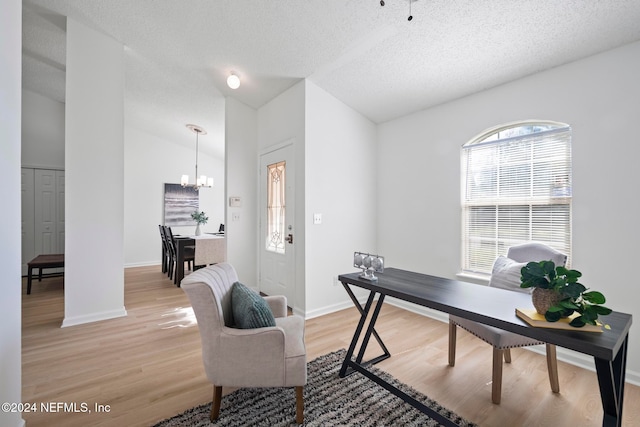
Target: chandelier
[
  {"x": 202, "y": 180},
  {"x": 382, "y": 3}
]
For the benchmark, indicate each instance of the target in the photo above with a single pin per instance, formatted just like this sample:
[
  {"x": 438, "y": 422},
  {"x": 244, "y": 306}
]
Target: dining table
[{"x": 210, "y": 248}]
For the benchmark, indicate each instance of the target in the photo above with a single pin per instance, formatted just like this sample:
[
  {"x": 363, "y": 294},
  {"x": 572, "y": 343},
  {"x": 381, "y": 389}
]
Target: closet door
[
  {"x": 28, "y": 217},
  {"x": 60, "y": 210},
  {"x": 42, "y": 213},
  {"x": 46, "y": 236}
]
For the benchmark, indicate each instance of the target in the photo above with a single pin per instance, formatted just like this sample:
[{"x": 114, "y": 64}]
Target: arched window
[{"x": 516, "y": 187}]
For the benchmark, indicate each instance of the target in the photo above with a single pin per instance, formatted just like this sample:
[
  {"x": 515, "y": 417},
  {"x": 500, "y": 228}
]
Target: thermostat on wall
[{"x": 234, "y": 202}]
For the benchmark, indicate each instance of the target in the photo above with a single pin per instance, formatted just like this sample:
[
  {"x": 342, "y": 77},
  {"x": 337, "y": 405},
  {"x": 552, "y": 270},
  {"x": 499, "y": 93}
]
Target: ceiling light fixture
[
  {"x": 382, "y": 3},
  {"x": 233, "y": 81},
  {"x": 201, "y": 181}
]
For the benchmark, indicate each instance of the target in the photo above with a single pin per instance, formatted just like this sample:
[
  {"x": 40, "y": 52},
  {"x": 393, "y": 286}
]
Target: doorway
[{"x": 277, "y": 217}]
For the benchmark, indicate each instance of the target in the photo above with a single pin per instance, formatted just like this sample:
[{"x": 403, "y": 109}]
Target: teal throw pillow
[{"x": 250, "y": 310}]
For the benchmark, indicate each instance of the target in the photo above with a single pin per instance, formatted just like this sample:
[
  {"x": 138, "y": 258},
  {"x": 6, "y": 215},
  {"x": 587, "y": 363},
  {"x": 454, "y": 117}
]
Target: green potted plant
[
  {"x": 199, "y": 218},
  {"x": 557, "y": 294}
]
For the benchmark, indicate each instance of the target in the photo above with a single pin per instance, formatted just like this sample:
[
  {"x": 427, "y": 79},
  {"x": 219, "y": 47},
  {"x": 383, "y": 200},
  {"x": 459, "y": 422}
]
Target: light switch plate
[{"x": 317, "y": 218}]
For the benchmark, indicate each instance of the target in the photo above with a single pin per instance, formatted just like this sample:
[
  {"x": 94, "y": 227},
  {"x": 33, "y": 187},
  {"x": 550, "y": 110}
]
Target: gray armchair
[
  {"x": 506, "y": 275},
  {"x": 262, "y": 357}
]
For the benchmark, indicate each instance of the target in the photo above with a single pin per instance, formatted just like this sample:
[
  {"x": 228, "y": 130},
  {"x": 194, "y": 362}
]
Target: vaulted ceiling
[{"x": 178, "y": 53}]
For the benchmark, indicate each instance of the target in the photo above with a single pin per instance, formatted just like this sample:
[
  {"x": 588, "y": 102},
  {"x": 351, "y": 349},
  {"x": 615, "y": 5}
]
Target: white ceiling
[{"x": 179, "y": 53}]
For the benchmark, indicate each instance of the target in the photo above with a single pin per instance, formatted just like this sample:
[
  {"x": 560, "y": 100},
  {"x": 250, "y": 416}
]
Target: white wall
[
  {"x": 241, "y": 166},
  {"x": 94, "y": 172},
  {"x": 11, "y": 284},
  {"x": 335, "y": 154},
  {"x": 279, "y": 121},
  {"x": 149, "y": 163},
  {"x": 340, "y": 169},
  {"x": 42, "y": 131},
  {"x": 419, "y": 172}
]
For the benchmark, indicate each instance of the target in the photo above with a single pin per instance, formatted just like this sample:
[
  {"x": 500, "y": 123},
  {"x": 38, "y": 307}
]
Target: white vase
[{"x": 198, "y": 231}]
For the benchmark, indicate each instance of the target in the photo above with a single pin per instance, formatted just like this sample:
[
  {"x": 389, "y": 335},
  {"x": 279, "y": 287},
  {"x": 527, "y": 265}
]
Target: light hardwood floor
[{"x": 147, "y": 366}]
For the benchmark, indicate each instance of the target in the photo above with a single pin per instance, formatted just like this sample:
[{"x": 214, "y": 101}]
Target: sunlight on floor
[{"x": 180, "y": 317}]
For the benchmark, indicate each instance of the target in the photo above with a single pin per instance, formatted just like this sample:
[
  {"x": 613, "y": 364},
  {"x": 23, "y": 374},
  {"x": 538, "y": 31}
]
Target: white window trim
[{"x": 529, "y": 199}]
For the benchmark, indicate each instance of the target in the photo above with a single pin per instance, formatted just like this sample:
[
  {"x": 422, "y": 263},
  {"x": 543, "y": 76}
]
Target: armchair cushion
[
  {"x": 506, "y": 274},
  {"x": 250, "y": 310}
]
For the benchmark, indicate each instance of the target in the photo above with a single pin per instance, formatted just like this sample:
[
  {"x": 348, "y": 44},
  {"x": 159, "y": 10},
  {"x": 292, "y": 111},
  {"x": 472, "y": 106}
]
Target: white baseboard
[
  {"x": 93, "y": 317},
  {"x": 142, "y": 264},
  {"x": 326, "y": 310}
]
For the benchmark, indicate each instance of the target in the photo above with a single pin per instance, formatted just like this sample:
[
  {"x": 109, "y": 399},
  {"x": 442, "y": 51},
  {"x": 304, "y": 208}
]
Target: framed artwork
[{"x": 179, "y": 203}]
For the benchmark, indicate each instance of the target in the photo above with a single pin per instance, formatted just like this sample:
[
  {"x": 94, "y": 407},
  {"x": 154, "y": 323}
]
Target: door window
[{"x": 276, "y": 205}]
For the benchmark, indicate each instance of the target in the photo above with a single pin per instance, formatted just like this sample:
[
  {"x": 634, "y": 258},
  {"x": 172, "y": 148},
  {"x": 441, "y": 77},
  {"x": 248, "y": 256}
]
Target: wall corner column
[{"x": 94, "y": 166}]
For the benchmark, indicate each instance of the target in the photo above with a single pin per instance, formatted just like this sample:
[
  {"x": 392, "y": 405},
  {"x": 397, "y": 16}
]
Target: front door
[{"x": 277, "y": 234}]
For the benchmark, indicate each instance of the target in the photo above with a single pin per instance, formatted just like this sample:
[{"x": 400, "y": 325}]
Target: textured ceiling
[{"x": 179, "y": 53}]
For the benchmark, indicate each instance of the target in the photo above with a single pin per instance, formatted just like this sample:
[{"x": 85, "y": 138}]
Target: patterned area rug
[{"x": 328, "y": 401}]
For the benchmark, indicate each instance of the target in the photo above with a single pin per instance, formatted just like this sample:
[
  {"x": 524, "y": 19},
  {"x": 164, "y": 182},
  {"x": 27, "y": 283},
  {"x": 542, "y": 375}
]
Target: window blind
[{"x": 515, "y": 189}]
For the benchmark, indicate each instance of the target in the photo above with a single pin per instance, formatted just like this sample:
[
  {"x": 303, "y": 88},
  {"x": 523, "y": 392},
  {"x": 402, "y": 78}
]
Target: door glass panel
[{"x": 276, "y": 204}]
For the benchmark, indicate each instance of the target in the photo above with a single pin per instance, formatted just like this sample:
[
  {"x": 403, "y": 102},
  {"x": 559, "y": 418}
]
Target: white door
[
  {"x": 60, "y": 211},
  {"x": 277, "y": 234},
  {"x": 46, "y": 222},
  {"x": 42, "y": 213},
  {"x": 28, "y": 217}
]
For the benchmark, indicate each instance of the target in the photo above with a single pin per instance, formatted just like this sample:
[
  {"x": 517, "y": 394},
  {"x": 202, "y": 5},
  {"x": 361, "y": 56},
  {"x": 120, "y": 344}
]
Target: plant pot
[
  {"x": 544, "y": 298},
  {"x": 198, "y": 232}
]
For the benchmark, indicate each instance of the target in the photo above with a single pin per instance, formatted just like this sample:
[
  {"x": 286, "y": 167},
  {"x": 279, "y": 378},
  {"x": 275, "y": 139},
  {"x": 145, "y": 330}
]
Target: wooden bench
[{"x": 41, "y": 262}]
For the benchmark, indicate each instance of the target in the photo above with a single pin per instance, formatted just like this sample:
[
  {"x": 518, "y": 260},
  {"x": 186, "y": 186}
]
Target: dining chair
[
  {"x": 506, "y": 275},
  {"x": 166, "y": 256},
  {"x": 171, "y": 244}
]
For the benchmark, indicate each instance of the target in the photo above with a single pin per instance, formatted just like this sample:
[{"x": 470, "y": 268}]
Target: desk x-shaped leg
[
  {"x": 364, "y": 313},
  {"x": 349, "y": 366},
  {"x": 611, "y": 375}
]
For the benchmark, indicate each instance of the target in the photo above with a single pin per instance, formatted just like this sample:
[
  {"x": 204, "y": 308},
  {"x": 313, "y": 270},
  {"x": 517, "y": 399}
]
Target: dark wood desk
[
  {"x": 42, "y": 262},
  {"x": 491, "y": 306}
]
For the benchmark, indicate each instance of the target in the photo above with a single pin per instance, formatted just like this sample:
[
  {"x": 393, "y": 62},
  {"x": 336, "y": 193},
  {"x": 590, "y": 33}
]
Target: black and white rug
[{"x": 328, "y": 401}]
